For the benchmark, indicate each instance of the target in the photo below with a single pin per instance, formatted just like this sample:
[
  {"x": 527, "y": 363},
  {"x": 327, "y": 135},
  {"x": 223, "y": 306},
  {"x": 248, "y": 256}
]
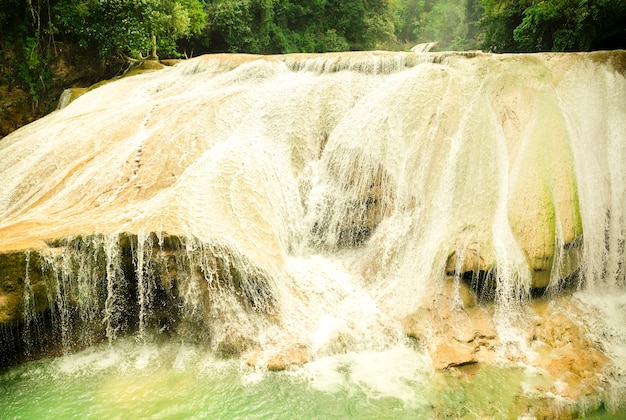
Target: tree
[
  {"x": 557, "y": 25},
  {"x": 450, "y": 23},
  {"x": 26, "y": 47},
  {"x": 131, "y": 27},
  {"x": 284, "y": 26},
  {"x": 499, "y": 20}
]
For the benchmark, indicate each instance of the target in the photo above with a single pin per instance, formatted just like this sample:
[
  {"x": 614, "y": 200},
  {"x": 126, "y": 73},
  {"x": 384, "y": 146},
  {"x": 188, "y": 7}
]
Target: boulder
[
  {"x": 455, "y": 332},
  {"x": 573, "y": 361},
  {"x": 448, "y": 354},
  {"x": 279, "y": 360}
]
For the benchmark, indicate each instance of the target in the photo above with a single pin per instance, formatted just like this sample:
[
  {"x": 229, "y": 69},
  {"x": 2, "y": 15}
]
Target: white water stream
[{"x": 303, "y": 206}]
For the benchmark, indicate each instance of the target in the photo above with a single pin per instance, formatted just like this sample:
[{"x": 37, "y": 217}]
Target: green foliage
[
  {"x": 32, "y": 69},
  {"x": 557, "y": 25},
  {"x": 499, "y": 20},
  {"x": 71, "y": 20},
  {"x": 282, "y": 26},
  {"x": 554, "y": 26},
  {"x": 331, "y": 41},
  {"x": 230, "y": 25},
  {"x": 25, "y": 48},
  {"x": 450, "y": 23},
  {"x": 131, "y": 27},
  {"x": 11, "y": 13}
]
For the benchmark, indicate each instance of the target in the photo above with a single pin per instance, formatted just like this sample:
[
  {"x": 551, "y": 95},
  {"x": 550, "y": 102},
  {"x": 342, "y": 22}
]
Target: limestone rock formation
[
  {"x": 455, "y": 332},
  {"x": 243, "y": 199},
  {"x": 279, "y": 360}
]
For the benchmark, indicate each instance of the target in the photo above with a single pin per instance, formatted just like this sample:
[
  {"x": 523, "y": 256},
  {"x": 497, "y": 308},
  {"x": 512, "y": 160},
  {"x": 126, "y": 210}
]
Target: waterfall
[{"x": 290, "y": 210}]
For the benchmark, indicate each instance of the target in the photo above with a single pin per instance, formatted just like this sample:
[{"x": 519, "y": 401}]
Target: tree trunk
[{"x": 153, "y": 55}]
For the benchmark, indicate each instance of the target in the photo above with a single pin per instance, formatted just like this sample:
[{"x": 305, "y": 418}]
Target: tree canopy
[
  {"x": 556, "y": 25},
  {"x": 130, "y": 27},
  {"x": 141, "y": 28}
]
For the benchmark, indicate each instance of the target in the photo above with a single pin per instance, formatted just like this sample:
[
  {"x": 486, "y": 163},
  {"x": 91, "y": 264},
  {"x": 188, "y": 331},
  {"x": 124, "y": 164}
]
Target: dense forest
[{"x": 103, "y": 35}]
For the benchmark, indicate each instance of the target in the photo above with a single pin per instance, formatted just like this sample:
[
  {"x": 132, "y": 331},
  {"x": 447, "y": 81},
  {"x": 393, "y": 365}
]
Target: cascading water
[{"x": 408, "y": 231}]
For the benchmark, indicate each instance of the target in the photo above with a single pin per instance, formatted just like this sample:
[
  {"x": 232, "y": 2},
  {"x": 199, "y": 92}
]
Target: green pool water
[{"x": 131, "y": 380}]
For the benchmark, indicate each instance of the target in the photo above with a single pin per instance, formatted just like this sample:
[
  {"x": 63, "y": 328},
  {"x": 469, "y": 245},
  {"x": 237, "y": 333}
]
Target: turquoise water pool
[{"x": 171, "y": 380}]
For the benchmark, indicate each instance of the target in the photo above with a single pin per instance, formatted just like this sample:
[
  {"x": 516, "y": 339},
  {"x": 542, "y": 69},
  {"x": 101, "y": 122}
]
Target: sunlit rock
[
  {"x": 567, "y": 352},
  {"x": 455, "y": 331},
  {"x": 279, "y": 360},
  {"x": 449, "y": 354}
]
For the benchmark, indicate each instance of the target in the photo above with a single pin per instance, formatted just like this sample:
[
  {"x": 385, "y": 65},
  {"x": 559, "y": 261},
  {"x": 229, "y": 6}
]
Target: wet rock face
[
  {"x": 461, "y": 338},
  {"x": 476, "y": 264},
  {"x": 22, "y": 288},
  {"x": 279, "y": 360},
  {"x": 454, "y": 142},
  {"x": 569, "y": 356},
  {"x": 454, "y": 333},
  {"x": 101, "y": 286},
  {"x": 15, "y": 109},
  {"x": 358, "y": 197}
]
